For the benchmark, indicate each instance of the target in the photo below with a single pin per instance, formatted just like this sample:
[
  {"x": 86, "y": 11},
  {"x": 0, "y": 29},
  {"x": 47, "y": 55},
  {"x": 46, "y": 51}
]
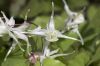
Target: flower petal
[
  {"x": 38, "y": 31},
  {"x": 3, "y": 30},
  {"x": 20, "y": 35},
  {"x": 69, "y": 12},
  {"x": 67, "y": 37},
  {"x": 78, "y": 33},
  {"x": 11, "y": 22},
  {"x": 23, "y": 26},
  {"x": 9, "y": 51},
  {"x": 53, "y": 52},
  {"x": 16, "y": 40},
  {"x": 1, "y": 21},
  {"x": 58, "y": 55},
  {"x": 6, "y": 19},
  {"x": 50, "y": 25},
  {"x": 79, "y": 19},
  {"x": 23, "y": 37},
  {"x": 47, "y": 51}
]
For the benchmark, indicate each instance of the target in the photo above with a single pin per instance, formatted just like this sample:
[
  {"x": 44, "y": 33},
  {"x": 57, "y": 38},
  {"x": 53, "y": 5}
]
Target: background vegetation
[{"x": 86, "y": 55}]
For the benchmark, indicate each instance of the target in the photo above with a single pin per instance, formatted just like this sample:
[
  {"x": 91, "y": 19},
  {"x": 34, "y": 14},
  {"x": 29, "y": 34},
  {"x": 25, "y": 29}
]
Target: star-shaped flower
[{"x": 50, "y": 33}]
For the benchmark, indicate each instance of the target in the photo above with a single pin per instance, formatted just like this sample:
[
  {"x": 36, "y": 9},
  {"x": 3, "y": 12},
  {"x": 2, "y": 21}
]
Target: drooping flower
[{"x": 73, "y": 20}]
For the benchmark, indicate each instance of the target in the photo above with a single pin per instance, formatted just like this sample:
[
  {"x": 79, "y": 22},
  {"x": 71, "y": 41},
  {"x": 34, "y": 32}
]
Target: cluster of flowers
[{"x": 50, "y": 33}]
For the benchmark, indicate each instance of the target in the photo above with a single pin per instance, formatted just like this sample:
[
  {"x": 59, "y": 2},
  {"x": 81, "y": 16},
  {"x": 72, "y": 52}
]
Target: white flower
[
  {"x": 50, "y": 33},
  {"x": 75, "y": 17},
  {"x": 7, "y": 26},
  {"x": 51, "y": 54},
  {"x": 4, "y": 25},
  {"x": 74, "y": 20}
]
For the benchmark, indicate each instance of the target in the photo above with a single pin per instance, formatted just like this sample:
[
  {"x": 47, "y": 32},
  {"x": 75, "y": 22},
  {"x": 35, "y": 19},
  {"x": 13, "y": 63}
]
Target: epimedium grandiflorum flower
[
  {"x": 74, "y": 19},
  {"x": 51, "y": 54},
  {"x": 50, "y": 33},
  {"x": 7, "y": 25},
  {"x": 15, "y": 33}
]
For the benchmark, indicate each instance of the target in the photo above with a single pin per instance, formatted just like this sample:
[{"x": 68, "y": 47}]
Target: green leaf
[
  {"x": 15, "y": 61},
  {"x": 51, "y": 62},
  {"x": 92, "y": 11},
  {"x": 94, "y": 15},
  {"x": 96, "y": 56},
  {"x": 76, "y": 4},
  {"x": 81, "y": 59},
  {"x": 36, "y": 7},
  {"x": 58, "y": 20}
]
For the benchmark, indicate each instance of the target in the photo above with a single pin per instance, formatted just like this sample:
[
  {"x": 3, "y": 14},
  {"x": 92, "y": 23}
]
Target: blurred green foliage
[{"x": 87, "y": 55}]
